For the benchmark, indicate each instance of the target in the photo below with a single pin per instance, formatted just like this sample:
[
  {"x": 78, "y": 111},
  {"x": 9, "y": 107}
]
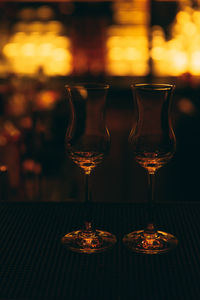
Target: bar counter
[{"x": 35, "y": 265}]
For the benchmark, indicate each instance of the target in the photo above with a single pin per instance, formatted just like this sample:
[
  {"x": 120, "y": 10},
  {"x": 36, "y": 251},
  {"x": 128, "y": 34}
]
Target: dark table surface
[{"x": 34, "y": 264}]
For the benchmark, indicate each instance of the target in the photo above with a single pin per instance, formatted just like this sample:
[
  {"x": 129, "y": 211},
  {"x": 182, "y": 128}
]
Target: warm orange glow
[
  {"x": 46, "y": 100},
  {"x": 131, "y": 12},
  {"x": 3, "y": 168},
  {"x": 11, "y": 49},
  {"x": 38, "y": 45},
  {"x": 195, "y": 63},
  {"x": 127, "y": 51},
  {"x": 127, "y": 42},
  {"x": 180, "y": 54},
  {"x": 11, "y": 129},
  {"x": 29, "y": 52},
  {"x": 28, "y": 49},
  {"x": 186, "y": 106},
  {"x": 30, "y": 165}
]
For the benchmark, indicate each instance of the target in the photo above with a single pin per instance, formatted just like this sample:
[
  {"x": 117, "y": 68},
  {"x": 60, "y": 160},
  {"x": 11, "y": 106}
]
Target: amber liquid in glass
[
  {"x": 86, "y": 160},
  {"x": 152, "y": 161}
]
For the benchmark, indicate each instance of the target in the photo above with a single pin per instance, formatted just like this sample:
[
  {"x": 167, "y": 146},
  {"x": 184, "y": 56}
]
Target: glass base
[
  {"x": 150, "y": 241},
  {"x": 88, "y": 240}
]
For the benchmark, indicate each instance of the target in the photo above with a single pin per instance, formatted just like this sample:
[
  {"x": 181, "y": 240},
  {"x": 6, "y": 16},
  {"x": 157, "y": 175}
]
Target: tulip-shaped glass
[
  {"x": 87, "y": 142},
  {"x": 153, "y": 143}
]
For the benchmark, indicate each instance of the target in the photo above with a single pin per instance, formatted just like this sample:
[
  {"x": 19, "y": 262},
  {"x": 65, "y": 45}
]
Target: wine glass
[
  {"x": 87, "y": 142},
  {"x": 153, "y": 143}
]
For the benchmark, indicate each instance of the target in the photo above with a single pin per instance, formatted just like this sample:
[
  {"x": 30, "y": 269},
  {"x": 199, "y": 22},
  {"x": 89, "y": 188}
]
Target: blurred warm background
[{"x": 44, "y": 45}]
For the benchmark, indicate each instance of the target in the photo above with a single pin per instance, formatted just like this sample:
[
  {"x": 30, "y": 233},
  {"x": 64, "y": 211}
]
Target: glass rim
[
  {"x": 153, "y": 86},
  {"x": 88, "y": 86}
]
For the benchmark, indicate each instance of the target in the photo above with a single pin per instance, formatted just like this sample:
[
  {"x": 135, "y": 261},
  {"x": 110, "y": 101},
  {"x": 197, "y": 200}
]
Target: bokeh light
[
  {"x": 38, "y": 45},
  {"x": 181, "y": 53}
]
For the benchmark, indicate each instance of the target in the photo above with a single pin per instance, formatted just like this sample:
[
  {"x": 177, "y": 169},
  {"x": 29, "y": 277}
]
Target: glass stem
[
  {"x": 87, "y": 200},
  {"x": 151, "y": 189},
  {"x": 88, "y": 218}
]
